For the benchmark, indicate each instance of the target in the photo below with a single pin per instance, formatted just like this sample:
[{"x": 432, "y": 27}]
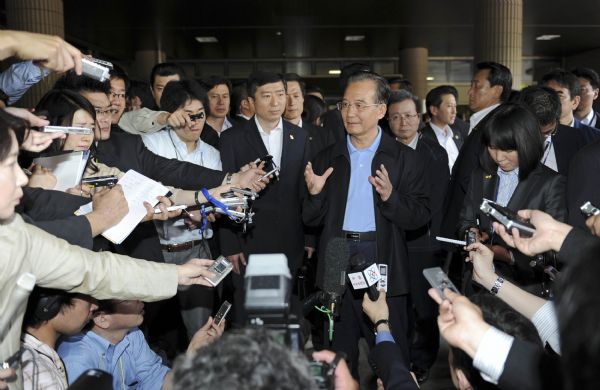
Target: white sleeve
[
  {"x": 546, "y": 323},
  {"x": 142, "y": 121},
  {"x": 492, "y": 353}
]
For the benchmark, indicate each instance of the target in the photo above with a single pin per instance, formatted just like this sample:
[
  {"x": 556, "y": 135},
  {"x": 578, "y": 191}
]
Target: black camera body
[{"x": 322, "y": 373}]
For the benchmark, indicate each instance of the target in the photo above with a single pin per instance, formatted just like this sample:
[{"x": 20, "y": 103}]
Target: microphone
[
  {"x": 359, "y": 265},
  {"x": 334, "y": 276}
]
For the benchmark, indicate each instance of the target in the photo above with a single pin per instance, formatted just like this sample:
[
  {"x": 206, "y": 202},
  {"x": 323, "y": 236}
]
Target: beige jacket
[{"x": 56, "y": 264}]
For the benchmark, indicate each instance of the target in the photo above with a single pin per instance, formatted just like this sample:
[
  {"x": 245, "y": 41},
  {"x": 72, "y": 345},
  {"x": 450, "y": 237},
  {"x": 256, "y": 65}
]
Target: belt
[
  {"x": 359, "y": 236},
  {"x": 180, "y": 247}
]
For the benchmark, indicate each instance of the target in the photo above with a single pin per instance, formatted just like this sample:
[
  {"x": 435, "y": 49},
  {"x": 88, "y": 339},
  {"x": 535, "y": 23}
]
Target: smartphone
[
  {"x": 589, "y": 209},
  {"x": 100, "y": 181},
  {"x": 274, "y": 171},
  {"x": 439, "y": 280},
  {"x": 507, "y": 217},
  {"x": 222, "y": 313},
  {"x": 221, "y": 268}
]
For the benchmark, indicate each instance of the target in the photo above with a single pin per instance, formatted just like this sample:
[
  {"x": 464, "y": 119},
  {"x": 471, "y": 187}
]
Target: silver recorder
[
  {"x": 96, "y": 69},
  {"x": 221, "y": 268},
  {"x": 439, "y": 280},
  {"x": 67, "y": 130},
  {"x": 589, "y": 209},
  {"x": 507, "y": 217}
]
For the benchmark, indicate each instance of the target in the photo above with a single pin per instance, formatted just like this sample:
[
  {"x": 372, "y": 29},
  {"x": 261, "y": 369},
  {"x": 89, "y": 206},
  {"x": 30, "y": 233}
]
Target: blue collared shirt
[
  {"x": 360, "y": 211},
  {"x": 507, "y": 184},
  {"x": 384, "y": 335},
  {"x": 19, "y": 77},
  {"x": 131, "y": 362}
]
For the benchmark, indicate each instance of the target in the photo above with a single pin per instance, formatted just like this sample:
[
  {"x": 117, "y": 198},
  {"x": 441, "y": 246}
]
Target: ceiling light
[
  {"x": 430, "y": 78},
  {"x": 547, "y": 37},
  {"x": 335, "y": 71},
  {"x": 207, "y": 39},
  {"x": 278, "y": 33},
  {"x": 354, "y": 38}
]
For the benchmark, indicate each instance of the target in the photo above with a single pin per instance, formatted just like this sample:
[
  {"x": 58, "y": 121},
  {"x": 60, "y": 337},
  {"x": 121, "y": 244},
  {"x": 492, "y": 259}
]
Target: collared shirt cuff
[
  {"x": 384, "y": 335},
  {"x": 546, "y": 323},
  {"x": 492, "y": 353}
]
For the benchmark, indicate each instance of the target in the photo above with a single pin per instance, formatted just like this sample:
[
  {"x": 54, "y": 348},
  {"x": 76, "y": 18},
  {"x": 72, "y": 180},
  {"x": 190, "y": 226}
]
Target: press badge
[{"x": 383, "y": 282}]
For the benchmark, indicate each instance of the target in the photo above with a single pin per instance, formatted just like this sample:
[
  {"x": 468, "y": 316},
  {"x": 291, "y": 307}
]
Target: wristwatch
[
  {"x": 385, "y": 321},
  {"x": 497, "y": 284},
  {"x": 228, "y": 178}
]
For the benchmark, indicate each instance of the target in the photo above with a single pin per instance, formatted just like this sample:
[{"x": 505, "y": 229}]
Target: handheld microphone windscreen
[{"x": 336, "y": 263}]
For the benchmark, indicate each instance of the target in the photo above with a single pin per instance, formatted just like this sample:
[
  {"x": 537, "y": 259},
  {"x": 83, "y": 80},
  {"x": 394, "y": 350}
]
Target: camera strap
[{"x": 329, "y": 315}]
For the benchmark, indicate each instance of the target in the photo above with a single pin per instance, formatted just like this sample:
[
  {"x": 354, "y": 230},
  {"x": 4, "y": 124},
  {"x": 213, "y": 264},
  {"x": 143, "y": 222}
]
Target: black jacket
[
  {"x": 278, "y": 221},
  {"x": 407, "y": 207},
  {"x": 542, "y": 190},
  {"x": 459, "y": 135},
  {"x": 583, "y": 182},
  {"x": 386, "y": 360},
  {"x": 567, "y": 141}
]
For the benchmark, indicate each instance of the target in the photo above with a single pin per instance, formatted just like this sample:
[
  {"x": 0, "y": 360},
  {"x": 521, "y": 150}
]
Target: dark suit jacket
[
  {"x": 543, "y": 190},
  {"x": 459, "y": 135},
  {"x": 566, "y": 142},
  {"x": 591, "y": 133},
  {"x": 434, "y": 159},
  {"x": 583, "y": 182},
  {"x": 52, "y": 211},
  {"x": 386, "y": 360},
  {"x": 318, "y": 138},
  {"x": 126, "y": 151},
  {"x": 278, "y": 221},
  {"x": 407, "y": 207},
  {"x": 210, "y": 136}
]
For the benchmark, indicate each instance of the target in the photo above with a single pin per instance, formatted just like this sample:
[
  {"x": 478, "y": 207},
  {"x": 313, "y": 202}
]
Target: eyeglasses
[
  {"x": 403, "y": 117},
  {"x": 360, "y": 106},
  {"x": 105, "y": 112},
  {"x": 117, "y": 95},
  {"x": 197, "y": 117}
]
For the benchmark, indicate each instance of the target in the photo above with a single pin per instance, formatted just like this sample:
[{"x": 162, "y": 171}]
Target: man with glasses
[
  {"x": 180, "y": 238},
  {"x": 278, "y": 225},
  {"x": 423, "y": 248},
  {"x": 119, "y": 84},
  {"x": 368, "y": 189}
]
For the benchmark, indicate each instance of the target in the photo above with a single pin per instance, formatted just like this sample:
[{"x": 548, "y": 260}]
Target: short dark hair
[
  {"x": 44, "y": 304},
  {"x": 543, "y": 102},
  {"x": 501, "y": 316},
  {"x": 436, "y": 95},
  {"x": 212, "y": 81},
  {"x": 511, "y": 126},
  {"x": 119, "y": 73},
  {"x": 578, "y": 311},
  {"x": 238, "y": 93},
  {"x": 314, "y": 107},
  {"x": 588, "y": 74},
  {"x": 73, "y": 82},
  {"x": 142, "y": 90},
  {"x": 166, "y": 69},
  {"x": 498, "y": 75},
  {"x": 260, "y": 363},
  {"x": 405, "y": 84},
  {"x": 310, "y": 88},
  {"x": 260, "y": 78},
  {"x": 177, "y": 93},
  {"x": 8, "y": 123},
  {"x": 565, "y": 79},
  {"x": 351, "y": 69},
  {"x": 295, "y": 77},
  {"x": 383, "y": 88},
  {"x": 402, "y": 95}
]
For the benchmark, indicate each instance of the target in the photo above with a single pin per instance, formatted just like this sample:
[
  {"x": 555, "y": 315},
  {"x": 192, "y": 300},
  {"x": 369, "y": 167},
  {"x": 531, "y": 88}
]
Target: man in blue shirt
[
  {"x": 115, "y": 344},
  {"x": 367, "y": 190}
]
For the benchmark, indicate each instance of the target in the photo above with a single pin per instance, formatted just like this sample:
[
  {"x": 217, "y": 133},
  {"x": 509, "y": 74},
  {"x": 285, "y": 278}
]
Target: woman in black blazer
[{"x": 512, "y": 175}]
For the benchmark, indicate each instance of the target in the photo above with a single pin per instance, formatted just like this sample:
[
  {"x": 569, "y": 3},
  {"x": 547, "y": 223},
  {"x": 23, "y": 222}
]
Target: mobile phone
[
  {"x": 274, "y": 171},
  {"x": 13, "y": 361},
  {"x": 67, "y": 130},
  {"x": 96, "y": 69},
  {"x": 439, "y": 280},
  {"x": 222, "y": 313},
  {"x": 221, "y": 268},
  {"x": 100, "y": 181},
  {"x": 470, "y": 237},
  {"x": 507, "y": 217},
  {"x": 589, "y": 209},
  {"x": 171, "y": 208}
]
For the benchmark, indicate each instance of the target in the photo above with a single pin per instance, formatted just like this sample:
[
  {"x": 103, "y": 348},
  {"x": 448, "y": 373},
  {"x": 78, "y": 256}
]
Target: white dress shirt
[
  {"x": 226, "y": 125},
  {"x": 445, "y": 138},
  {"x": 590, "y": 119},
  {"x": 273, "y": 140},
  {"x": 549, "y": 156},
  {"x": 479, "y": 115},
  {"x": 167, "y": 144}
]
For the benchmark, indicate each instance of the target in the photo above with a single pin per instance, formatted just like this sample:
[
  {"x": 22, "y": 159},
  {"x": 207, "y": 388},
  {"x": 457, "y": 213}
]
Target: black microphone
[
  {"x": 334, "y": 276},
  {"x": 358, "y": 263}
]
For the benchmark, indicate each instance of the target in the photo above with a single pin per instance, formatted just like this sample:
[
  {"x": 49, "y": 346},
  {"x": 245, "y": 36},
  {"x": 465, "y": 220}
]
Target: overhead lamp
[
  {"x": 335, "y": 71},
  {"x": 278, "y": 33},
  {"x": 207, "y": 39},
  {"x": 547, "y": 37},
  {"x": 430, "y": 78},
  {"x": 354, "y": 38}
]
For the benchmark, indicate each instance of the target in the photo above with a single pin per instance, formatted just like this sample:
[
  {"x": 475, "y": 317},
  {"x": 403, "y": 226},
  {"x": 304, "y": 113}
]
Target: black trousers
[{"x": 353, "y": 323}]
